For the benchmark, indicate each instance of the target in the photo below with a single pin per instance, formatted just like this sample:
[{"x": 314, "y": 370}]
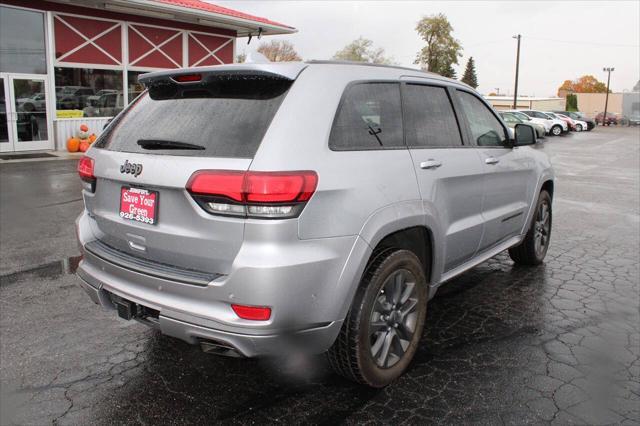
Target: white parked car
[
  {"x": 578, "y": 125},
  {"x": 524, "y": 117},
  {"x": 556, "y": 126}
]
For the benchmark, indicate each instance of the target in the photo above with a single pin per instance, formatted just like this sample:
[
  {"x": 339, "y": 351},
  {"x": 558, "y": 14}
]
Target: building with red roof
[{"x": 69, "y": 62}]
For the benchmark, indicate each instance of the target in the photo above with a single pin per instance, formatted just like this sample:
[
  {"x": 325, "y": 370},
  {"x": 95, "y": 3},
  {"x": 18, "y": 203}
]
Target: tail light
[
  {"x": 267, "y": 195},
  {"x": 85, "y": 170}
]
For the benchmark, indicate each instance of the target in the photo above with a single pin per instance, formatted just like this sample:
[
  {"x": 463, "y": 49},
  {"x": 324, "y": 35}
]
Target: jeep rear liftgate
[{"x": 144, "y": 162}]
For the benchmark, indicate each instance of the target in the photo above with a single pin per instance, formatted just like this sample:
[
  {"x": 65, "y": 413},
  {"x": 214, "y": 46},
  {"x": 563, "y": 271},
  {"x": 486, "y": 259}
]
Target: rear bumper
[
  {"x": 305, "y": 282},
  {"x": 311, "y": 340}
]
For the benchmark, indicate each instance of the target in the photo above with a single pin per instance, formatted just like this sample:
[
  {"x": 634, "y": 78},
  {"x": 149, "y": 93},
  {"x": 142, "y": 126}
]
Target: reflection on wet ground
[
  {"x": 557, "y": 343},
  {"x": 503, "y": 344}
]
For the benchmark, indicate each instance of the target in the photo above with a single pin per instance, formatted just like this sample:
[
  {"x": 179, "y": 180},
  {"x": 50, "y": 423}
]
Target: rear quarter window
[
  {"x": 226, "y": 117},
  {"x": 369, "y": 117}
]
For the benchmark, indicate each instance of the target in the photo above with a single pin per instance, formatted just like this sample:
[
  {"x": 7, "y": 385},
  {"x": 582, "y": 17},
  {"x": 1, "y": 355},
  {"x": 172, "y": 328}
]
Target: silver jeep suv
[{"x": 265, "y": 209}]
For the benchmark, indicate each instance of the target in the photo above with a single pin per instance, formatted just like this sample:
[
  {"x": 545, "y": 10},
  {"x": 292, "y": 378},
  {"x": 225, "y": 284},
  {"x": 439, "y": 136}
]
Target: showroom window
[
  {"x": 22, "y": 41},
  {"x": 82, "y": 92}
]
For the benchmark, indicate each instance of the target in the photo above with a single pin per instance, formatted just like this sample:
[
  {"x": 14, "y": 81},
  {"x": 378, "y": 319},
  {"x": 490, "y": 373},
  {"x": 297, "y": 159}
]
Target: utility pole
[
  {"x": 515, "y": 91},
  {"x": 606, "y": 98}
]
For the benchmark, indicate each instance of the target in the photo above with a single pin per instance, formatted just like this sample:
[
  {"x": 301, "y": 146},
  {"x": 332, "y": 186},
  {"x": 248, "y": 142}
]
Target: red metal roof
[{"x": 209, "y": 7}]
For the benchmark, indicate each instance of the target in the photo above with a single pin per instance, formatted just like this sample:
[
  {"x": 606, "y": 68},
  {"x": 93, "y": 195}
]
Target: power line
[
  {"x": 588, "y": 43},
  {"x": 583, "y": 42}
]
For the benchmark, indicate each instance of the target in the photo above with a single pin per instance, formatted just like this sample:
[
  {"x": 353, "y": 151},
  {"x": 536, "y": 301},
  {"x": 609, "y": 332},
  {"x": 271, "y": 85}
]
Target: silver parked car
[{"x": 267, "y": 209}]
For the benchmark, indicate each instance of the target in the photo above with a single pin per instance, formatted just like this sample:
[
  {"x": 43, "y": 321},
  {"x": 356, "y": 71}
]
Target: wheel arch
[
  {"x": 403, "y": 226},
  {"x": 548, "y": 186},
  {"x": 416, "y": 239}
]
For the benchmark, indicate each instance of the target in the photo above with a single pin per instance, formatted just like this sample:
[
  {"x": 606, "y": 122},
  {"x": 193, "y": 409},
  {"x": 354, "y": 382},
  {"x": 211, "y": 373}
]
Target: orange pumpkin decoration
[
  {"x": 92, "y": 138},
  {"x": 84, "y": 146},
  {"x": 73, "y": 144},
  {"x": 84, "y": 128}
]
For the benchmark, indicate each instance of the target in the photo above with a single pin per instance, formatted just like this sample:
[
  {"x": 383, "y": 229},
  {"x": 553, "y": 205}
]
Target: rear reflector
[
  {"x": 188, "y": 78},
  {"x": 253, "y": 194},
  {"x": 85, "y": 169},
  {"x": 254, "y": 313}
]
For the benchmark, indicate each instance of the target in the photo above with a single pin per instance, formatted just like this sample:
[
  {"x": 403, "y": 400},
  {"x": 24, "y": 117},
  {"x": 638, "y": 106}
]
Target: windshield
[{"x": 228, "y": 118}]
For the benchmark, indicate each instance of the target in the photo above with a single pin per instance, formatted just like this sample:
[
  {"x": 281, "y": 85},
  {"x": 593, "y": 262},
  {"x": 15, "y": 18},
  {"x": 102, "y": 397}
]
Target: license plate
[{"x": 139, "y": 204}]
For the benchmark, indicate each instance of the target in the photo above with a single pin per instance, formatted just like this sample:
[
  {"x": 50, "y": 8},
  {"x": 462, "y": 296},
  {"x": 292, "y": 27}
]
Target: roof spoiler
[{"x": 289, "y": 71}]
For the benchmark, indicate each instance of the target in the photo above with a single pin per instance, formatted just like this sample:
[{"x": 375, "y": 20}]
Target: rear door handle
[
  {"x": 430, "y": 164},
  {"x": 492, "y": 160}
]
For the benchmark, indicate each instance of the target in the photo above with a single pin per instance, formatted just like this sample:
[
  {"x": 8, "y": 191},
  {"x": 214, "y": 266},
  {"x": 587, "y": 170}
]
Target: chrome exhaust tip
[{"x": 219, "y": 348}]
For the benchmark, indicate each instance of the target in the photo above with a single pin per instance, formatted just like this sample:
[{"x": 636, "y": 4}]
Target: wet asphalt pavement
[{"x": 559, "y": 343}]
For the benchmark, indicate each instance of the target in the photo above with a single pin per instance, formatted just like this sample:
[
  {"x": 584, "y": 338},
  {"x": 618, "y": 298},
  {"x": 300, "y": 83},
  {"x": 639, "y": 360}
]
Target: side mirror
[{"x": 525, "y": 135}]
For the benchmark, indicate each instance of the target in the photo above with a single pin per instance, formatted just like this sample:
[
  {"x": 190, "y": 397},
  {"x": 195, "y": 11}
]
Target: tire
[
  {"x": 556, "y": 130},
  {"x": 529, "y": 252},
  {"x": 358, "y": 353},
  {"x": 28, "y": 107},
  {"x": 578, "y": 127}
]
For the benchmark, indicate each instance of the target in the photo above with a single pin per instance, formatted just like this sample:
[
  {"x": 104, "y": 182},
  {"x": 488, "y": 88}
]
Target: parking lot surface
[{"x": 559, "y": 343}]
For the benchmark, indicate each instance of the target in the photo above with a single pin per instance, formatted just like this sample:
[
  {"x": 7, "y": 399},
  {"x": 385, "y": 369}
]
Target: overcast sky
[{"x": 561, "y": 40}]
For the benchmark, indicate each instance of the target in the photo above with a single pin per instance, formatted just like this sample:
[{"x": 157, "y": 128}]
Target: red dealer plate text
[{"x": 139, "y": 204}]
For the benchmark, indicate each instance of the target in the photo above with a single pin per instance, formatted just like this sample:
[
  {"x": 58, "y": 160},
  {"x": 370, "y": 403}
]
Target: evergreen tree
[
  {"x": 470, "y": 76},
  {"x": 448, "y": 71}
]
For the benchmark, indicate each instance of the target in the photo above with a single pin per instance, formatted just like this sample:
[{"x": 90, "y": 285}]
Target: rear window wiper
[{"x": 163, "y": 144}]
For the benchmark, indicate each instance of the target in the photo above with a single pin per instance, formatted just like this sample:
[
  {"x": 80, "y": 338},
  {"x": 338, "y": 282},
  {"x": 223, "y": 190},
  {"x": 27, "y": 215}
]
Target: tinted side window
[
  {"x": 429, "y": 118},
  {"x": 369, "y": 117},
  {"x": 486, "y": 130}
]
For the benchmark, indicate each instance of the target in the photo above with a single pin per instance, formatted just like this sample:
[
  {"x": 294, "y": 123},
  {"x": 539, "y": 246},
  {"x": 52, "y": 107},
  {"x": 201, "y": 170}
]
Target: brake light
[
  {"x": 254, "y": 313},
  {"x": 253, "y": 194},
  {"x": 188, "y": 78},
  {"x": 85, "y": 169}
]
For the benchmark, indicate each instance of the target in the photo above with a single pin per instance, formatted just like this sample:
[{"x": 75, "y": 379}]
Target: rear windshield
[{"x": 225, "y": 117}]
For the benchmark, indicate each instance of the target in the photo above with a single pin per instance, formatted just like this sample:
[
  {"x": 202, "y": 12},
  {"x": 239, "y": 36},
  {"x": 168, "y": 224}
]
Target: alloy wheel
[
  {"x": 394, "y": 318},
  {"x": 542, "y": 228}
]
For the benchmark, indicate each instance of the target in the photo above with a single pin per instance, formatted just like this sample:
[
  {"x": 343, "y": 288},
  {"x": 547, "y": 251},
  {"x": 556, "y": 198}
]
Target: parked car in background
[
  {"x": 569, "y": 121},
  {"x": 612, "y": 118},
  {"x": 634, "y": 119},
  {"x": 576, "y": 115},
  {"x": 109, "y": 104},
  {"x": 623, "y": 120},
  {"x": 578, "y": 125},
  {"x": 545, "y": 123},
  {"x": 512, "y": 120},
  {"x": 337, "y": 246},
  {"x": 73, "y": 97},
  {"x": 556, "y": 126},
  {"x": 94, "y": 99},
  {"x": 37, "y": 102}
]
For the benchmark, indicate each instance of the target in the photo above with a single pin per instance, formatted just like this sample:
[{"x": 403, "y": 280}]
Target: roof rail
[{"x": 368, "y": 64}]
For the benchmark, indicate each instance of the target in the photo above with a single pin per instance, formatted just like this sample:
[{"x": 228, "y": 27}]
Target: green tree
[
  {"x": 442, "y": 50},
  {"x": 572, "y": 102},
  {"x": 448, "y": 71},
  {"x": 470, "y": 76},
  {"x": 362, "y": 50}
]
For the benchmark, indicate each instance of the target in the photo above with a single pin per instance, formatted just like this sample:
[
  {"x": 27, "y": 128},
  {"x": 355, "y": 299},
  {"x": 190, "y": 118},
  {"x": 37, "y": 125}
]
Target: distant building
[
  {"x": 527, "y": 102},
  {"x": 593, "y": 103},
  {"x": 626, "y": 103}
]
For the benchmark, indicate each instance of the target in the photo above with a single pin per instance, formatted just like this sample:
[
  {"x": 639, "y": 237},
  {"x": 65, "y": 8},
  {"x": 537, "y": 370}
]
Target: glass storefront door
[{"x": 24, "y": 113}]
